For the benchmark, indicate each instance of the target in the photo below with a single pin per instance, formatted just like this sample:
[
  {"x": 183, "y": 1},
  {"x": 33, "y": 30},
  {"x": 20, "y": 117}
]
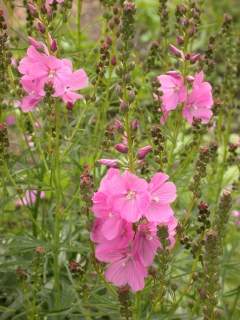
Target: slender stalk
[
  {"x": 57, "y": 193},
  {"x": 79, "y": 11}
]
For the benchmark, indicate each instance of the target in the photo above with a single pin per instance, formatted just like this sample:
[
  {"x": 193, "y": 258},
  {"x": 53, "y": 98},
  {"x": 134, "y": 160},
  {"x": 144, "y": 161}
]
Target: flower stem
[
  {"x": 79, "y": 11},
  {"x": 56, "y": 188}
]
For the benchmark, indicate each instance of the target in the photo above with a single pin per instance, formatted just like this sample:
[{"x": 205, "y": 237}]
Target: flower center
[
  {"x": 131, "y": 195},
  {"x": 51, "y": 73},
  {"x": 155, "y": 199}
]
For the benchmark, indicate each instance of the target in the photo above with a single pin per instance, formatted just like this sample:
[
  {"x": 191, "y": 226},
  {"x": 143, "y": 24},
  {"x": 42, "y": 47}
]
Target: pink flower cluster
[
  {"x": 39, "y": 69},
  {"x": 197, "y": 103},
  {"x": 128, "y": 211}
]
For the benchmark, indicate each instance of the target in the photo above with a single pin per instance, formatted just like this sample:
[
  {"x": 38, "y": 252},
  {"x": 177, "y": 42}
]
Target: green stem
[
  {"x": 79, "y": 11},
  {"x": 128, "y": 129},
  {"x": 57, "y": 193}
]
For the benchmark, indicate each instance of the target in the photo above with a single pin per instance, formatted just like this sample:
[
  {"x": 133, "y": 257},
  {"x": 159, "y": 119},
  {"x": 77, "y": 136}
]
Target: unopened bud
[
  {"x": 122, "y": 148},
  {"x": 110, "y": 163},
  {"x": 53, "y": 45},
  {"x": 143, "y": 152}
]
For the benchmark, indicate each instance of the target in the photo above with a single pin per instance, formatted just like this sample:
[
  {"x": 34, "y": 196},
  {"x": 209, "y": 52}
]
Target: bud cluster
[
  {"x": 200, "y": 171},
  {"x": 210, "y": 284},
  {"x": 4, "y": 143},
  {"x": 86, "y": 185},
  {"x": 164, "y": 16},
  {"x": 187, "y": 21},
  {"x": 5, "y": 57},
  {"x": 158, "y": 144}
]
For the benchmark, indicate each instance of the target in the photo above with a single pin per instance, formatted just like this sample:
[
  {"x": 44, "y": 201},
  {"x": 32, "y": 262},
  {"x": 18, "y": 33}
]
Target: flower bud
[
  {"x": 143, "y": 152},
  {"x": 122, "y": 148},
  {"x": 69, "y": 106},
  {"x": 32, "y": 9},
  {"x": 135, "y": 124},
  {"x": 123, "y": 105},
  {"x": 176, "y": 52},
  {"x": 53, "y": 45},
  {"x": 110, "y": 163},
  {"x": 41, "y": 28}
]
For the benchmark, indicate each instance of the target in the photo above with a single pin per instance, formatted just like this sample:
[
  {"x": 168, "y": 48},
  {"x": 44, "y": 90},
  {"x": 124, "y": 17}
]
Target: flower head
[
  {"x": 199, "y": 101},
  {"x": 173, "y": 90}
]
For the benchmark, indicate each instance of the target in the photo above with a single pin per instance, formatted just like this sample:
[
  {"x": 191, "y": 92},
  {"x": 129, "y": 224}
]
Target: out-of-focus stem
[{"x": 79, "y": 11}]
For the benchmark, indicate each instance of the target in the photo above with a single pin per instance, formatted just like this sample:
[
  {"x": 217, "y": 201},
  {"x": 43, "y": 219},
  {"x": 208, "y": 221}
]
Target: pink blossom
[
  {"x": 199, "y": 101},
  {"x": 173, "y": 89},
  {"x": 146, "y": 242},
  {"x": 66, "y": 86},
  {"x": 30, "y": 198},
  {"x": 171, "y": 224},
  {"x": 39, "y": 68},
  {"x": 130, "y": 196},
  {"x": 129, "y": 248},
  {"x": 162, "y": 194},
  {"x": 127, "y": 270},
  {"x": 124, "y": 263}
]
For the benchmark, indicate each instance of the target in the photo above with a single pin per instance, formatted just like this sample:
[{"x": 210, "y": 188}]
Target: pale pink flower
[
  {"x": 130, "y": 196},
  {"x": 30, "y": 198},
  {"x": 162, "y": 194},
  {"x": 199, "y": 101},
  {"x": 173, "y": 89}
]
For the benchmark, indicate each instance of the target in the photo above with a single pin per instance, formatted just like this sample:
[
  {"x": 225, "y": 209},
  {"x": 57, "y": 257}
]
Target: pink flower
[
  {"x": 39, "y": 68},
  {"x": 127, "y": 269},
  {"x": 130, "y": 196},
  {"x": 173, "y": 89},
  {"x": 30, "y": 198},
  {"x": 66, "y": 86},
  {"x": 162, "y": 194},
  {"x": 128, "y": 248},
  {"x": 199, "y": 101},
  {"x": 171, "y": 224},
  {"x": 146, "y": 242}
]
